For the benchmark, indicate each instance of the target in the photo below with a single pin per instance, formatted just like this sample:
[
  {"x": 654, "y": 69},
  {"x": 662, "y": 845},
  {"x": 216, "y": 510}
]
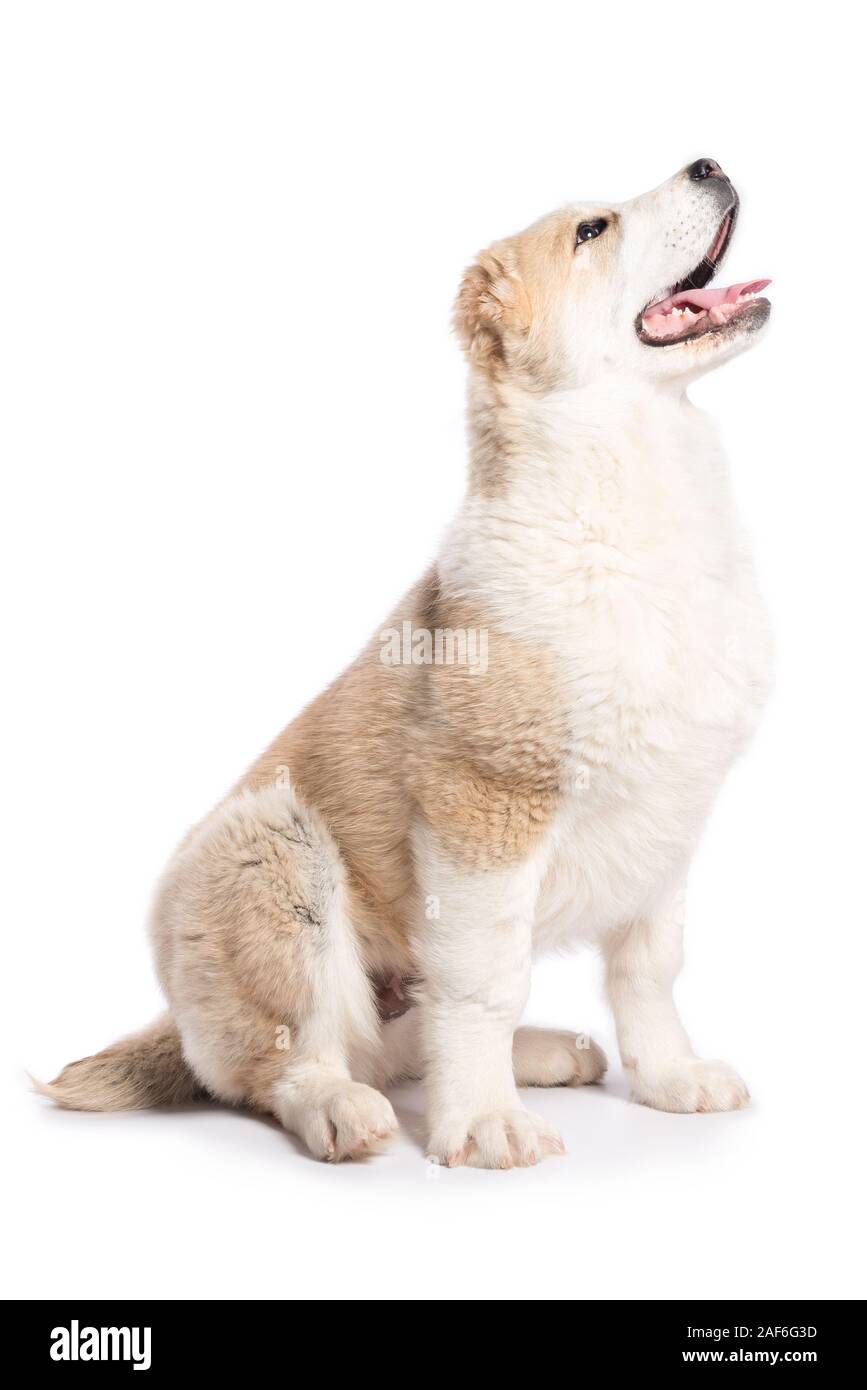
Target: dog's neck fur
[
  {"x": 570, "y": 489},
  {"x": 519, "y": 434}
]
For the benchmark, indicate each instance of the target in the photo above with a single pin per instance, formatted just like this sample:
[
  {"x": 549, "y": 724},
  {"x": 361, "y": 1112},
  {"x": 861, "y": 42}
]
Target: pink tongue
[{"x": 706, "y": 299}]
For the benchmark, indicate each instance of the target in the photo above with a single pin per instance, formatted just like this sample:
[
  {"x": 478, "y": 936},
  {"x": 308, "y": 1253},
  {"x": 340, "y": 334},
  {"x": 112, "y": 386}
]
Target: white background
[{"x": 231, "y": 435}]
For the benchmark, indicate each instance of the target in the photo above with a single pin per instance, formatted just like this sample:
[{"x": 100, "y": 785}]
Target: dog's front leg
[
  {"x": 473, "y": 948},
  {"x": 643, "y": 959}
]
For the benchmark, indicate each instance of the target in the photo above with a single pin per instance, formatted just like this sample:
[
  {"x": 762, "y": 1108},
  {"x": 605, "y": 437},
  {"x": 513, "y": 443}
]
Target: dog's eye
[{"x": 588, "y": 230}]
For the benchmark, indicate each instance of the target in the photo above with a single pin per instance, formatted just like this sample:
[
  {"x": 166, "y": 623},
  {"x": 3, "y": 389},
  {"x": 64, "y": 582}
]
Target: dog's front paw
[
  {"x": 690, "y": 1084},
  {"x": 502, "y": 1139},
  {"x": 348, "y": 1120}
]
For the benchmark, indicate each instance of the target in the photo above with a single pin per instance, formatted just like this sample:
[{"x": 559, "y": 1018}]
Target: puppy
[{"x": 525, "y": 754}]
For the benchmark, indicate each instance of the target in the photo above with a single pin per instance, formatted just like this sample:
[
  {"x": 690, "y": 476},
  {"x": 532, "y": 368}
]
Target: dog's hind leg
[
  {"x": 261, "y": 964},
  {"x": 551, "y": 1057}
]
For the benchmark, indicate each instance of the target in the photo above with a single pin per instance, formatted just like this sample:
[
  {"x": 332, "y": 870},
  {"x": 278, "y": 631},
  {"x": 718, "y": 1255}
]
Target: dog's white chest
[
  {"x": 633, "y": 578},
  {"x": 667, "y": 669},
  {"x": 644, "y": 781},
  {"x": 652, "y": 745}
]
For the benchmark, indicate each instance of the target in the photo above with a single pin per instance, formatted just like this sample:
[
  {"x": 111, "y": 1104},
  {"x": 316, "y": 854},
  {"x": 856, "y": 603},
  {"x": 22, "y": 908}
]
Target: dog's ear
[{"x": 492, "y": 307}]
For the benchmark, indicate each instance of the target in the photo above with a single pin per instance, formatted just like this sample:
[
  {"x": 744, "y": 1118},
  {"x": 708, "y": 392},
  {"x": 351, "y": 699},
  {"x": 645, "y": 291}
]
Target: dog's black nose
[{"x": 705, "y": 169}]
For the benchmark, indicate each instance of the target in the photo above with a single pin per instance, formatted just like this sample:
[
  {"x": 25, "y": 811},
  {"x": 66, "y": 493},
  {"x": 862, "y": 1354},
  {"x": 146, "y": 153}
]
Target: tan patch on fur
[
  {"x": 487, "y": 752},
  {"x": 478, "y": 755}
]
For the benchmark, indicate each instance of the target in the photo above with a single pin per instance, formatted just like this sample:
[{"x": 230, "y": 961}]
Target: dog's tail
[{"x": 143, "y": 1070}]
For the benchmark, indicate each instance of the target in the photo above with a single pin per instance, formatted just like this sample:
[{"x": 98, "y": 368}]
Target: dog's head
[{"x": 590, "y": 289}]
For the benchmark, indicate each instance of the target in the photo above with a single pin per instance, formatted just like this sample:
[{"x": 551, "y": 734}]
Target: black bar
[{"x": 162, "y": 1338}]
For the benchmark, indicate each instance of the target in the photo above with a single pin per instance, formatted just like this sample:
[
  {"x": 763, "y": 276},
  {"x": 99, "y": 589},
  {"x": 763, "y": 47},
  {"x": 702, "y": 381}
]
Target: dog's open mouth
[{"x": 690, "y": 310}]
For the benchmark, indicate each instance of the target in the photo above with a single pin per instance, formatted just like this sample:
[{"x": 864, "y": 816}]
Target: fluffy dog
[{"x": 524, "y": 756}]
